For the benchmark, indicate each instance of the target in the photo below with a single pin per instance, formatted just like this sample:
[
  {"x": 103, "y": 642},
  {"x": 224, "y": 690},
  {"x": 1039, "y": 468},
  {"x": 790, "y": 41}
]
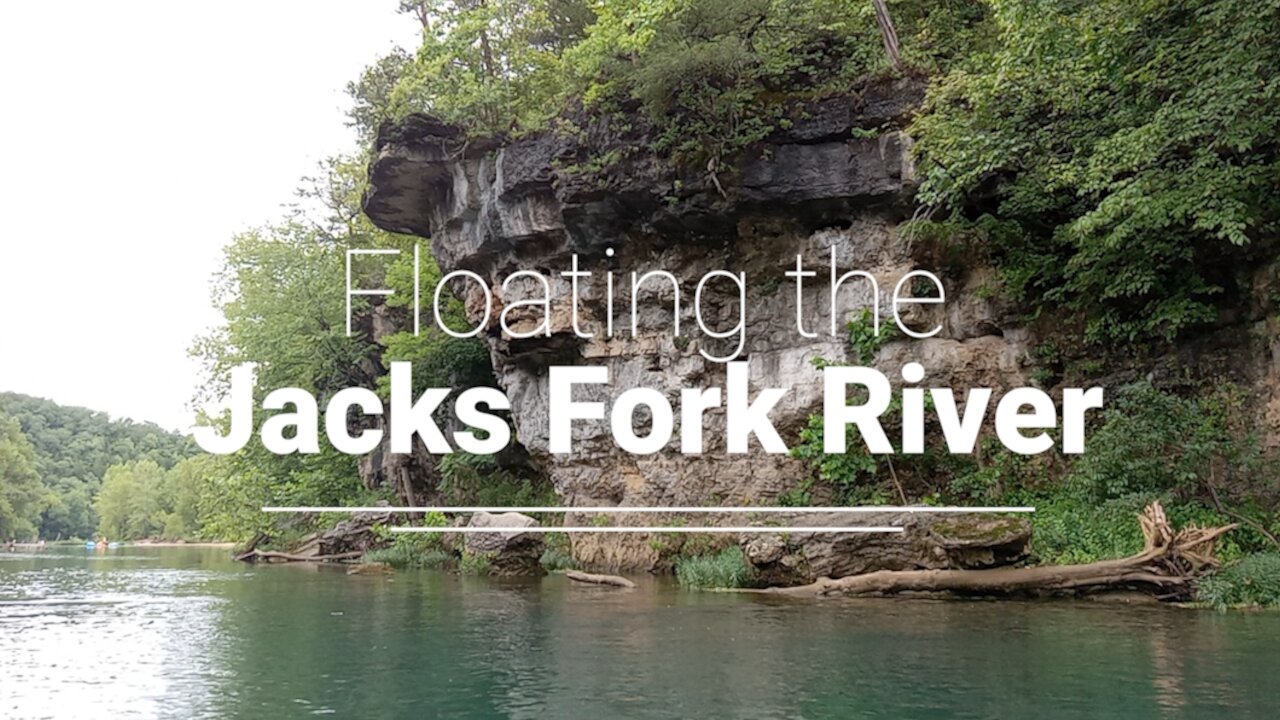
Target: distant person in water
[{"x": 11, "y": 545}]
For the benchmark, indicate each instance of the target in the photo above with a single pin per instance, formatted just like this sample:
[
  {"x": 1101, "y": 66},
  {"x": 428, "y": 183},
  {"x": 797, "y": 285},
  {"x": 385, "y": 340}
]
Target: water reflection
[
  {"x": 186, "y": 633},
  {"x": 115, "y": 635}
]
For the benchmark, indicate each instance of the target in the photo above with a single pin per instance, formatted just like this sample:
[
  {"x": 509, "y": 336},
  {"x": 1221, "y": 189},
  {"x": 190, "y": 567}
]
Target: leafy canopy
[
  {"x": 22, "y": 497},
  {"x": 1120, "y": 151}
]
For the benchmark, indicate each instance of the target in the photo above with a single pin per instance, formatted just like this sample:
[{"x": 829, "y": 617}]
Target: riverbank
[
  {"x": 127, "y": 543},
  {"x": 967, "y": 555},
  {"x": 179, "y": 543}
]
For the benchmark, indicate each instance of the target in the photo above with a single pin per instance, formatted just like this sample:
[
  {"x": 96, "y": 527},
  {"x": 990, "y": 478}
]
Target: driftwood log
[
  {"x": 272, "y": 556},
  {"x": 1167, "y": 567},
  {"x": 347, "y": 540},
  {"x": 590, "y": 578}
]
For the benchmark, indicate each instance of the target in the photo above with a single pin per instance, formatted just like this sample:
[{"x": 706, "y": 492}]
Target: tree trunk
[
  {"x": 1166, "y": 567},
  {"x": 592, "y": 579},
  {"x": 888, "y": 33},
  {"x": 270, "y": 555}
]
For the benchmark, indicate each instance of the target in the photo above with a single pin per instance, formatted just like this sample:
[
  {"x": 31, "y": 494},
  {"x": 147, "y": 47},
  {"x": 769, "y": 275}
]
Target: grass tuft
[{"x": 725, "y": 569}]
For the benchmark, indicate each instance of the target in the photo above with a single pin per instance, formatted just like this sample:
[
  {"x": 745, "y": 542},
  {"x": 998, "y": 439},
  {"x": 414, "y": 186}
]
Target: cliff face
[{"x": 839, "y": 179}]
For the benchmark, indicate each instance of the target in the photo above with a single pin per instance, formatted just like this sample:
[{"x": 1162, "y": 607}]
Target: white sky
[{"x": 135, "y": 138}]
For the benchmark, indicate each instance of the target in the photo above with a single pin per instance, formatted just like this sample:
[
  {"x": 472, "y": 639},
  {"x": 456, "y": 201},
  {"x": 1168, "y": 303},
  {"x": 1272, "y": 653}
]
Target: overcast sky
[{"x": 135, "y": 138}]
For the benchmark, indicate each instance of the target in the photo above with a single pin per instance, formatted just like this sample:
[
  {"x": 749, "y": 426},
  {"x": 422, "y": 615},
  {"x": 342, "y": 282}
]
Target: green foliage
[
  {"x": 1119, "y": 150},
  {"x": 415, "y": 550},
  {"x": 404, "y": 557},
  {"x": 493, "y": 66},
  {"x": 1071, "y": 530},
  {"x": 867, "y": 335},
  {"x": 1153, "y": 441},
  {"x": 22, "y": 497},
  {"x": 139, "y": 499},
  {"x": 475, "y": 563},
  {"x": 73, "y": 449},
  {"x": 848, "y": 472},
  {"x": 129, "y": 503},
  {"x": 1252, "y": 582},
  {"x": 798, "y": 496},
  {"x": 280, "y": 292},
  {"x": 842, "y": 471},
  {"x": 715, "y": 76},
  {"x": 371, "y": 93},
  {"x": 858, "y": 476},
  {"x": 556, "y": 559},
  {"x": 467, "y": 479},
  {"x": 189, "y": 492},
  {"x": 712, "y": 75},
  {"x": 725, "y": 569},
  {"x": 1067, "y": 531},
  {"x": 1188, "y": 452},
  {"x": 439, "y": 359},
  {"x": 1191, "y": 452}
]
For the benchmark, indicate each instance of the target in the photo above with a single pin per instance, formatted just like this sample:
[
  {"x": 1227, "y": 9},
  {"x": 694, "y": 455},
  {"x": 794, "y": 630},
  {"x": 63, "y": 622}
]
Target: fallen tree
[
  {"x": 1167, "y": 567},
  {"x": 272, "y": 556},
  {"x": 346, "y": 541},
  {"x": 593, "y": 579}
]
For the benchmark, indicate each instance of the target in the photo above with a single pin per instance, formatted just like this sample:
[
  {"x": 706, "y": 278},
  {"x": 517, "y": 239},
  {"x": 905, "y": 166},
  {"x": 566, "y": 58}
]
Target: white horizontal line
[
  {"x": 651, "y": 529},
  {"x": 737, "y": 509}
]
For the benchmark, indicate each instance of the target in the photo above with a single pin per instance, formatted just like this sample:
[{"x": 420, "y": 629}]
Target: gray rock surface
[
  {"x": 510, "y": 552},
  {"x": 818, "y": 189}
]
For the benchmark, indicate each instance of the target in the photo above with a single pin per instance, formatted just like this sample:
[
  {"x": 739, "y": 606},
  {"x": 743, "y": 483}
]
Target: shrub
[
  {"x": 467, "y": 479},
  {"x": 559, "y": 552},
  {"x": 407, "y": 551},
  {"x": 1251, "y": 582},
  {"x": 554, "y": 559},
  {"x": 413, "y": 550},
  {"x": 475, "y": 563},
  {"x": 1066, "y": 532},
  {"x": 1157, "y": 441}
]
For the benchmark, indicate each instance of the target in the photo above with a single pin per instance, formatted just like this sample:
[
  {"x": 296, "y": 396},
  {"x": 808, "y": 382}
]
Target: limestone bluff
[{"x": 839, "y": 180}]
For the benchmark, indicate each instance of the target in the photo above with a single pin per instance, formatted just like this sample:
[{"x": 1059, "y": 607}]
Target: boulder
[{"x": 510, "y": 552}]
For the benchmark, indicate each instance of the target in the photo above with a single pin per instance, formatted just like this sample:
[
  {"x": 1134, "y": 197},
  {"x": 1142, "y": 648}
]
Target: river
[{"x": 140, "y": 632}]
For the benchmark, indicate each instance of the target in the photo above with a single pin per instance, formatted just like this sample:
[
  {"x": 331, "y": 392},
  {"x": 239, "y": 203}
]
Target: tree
[
  {"x": 715, "y": 76},
  {"x": 888, "y": 33},
  {"x": 1116, "y": 157},
  {"x": 281, "y": 293},
  {"x": 420, "y": 9},
  {"x": 22, "y": 497},
  {"x": 492, "y": 65},
  {"x": 73, "y": 449},
  {"x": 130, "y": 505},
  {"x": 186, "y": 492},
  {"x": 371, "y": 94}
]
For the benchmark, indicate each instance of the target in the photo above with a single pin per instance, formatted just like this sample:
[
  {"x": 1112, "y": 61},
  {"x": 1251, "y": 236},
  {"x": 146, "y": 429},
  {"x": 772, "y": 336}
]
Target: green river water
[{"x": 186, "y": 633}]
